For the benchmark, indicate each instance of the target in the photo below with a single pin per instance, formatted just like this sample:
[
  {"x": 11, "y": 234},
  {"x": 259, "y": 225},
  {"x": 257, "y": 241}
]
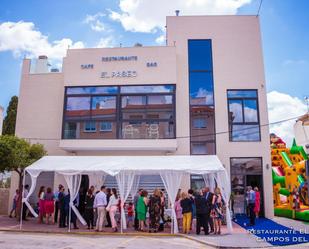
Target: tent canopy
[
  {"x": 112, "y": 165},
  {"x": 127, "y": 170}
]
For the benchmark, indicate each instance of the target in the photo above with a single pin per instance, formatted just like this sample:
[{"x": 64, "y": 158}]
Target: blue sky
[{"x": 90, "y": 23}]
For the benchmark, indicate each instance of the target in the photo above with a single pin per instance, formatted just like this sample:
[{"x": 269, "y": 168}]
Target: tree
[
  {"x": 10, "y": 119},
  {"x": 16, "y": 154}
]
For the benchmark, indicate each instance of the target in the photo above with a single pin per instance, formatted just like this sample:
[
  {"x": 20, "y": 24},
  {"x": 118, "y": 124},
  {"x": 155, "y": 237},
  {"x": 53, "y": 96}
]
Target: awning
[{"x": 112, "y": 165}]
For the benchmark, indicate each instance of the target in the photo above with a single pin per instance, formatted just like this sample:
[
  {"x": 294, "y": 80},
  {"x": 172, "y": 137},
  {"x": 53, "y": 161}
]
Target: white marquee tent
[{"x": 127, "y": 169}]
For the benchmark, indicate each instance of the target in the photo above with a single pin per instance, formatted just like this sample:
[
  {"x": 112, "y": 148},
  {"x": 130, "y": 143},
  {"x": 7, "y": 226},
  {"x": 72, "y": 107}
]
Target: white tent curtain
[
  {"x": 172, "y": 180},
  {"x": 210, "y": 181},
  {"x": 223, "y": 183},
  {"x": 96, "y": 179},
  {"x": 73, "y": 182},
  {"x": 125, "y": 180},
  {"x": 135, "y": 185},
  {"x": 31, "y": 190}
]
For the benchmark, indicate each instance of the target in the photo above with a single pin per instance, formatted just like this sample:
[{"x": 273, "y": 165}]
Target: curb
[{"x": 92, "y": 233}]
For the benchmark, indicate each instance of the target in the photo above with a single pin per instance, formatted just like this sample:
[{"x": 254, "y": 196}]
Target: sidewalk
[
  {"x": 239, "y": 239},
  {"x": 239, "y": 236}
]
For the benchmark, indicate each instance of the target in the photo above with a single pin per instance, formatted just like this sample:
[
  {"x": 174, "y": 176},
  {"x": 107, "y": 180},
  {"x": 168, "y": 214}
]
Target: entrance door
[
  {"x": 257, "y": 181},
  {"x": 245, "y": 171}
]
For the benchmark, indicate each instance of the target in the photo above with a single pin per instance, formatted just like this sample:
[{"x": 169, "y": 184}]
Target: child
[
  {"x": 130, "y": 210},
  {"x": 15, "y": 199}
]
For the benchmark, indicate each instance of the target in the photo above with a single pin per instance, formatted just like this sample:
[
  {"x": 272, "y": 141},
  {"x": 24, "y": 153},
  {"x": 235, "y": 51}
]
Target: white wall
[{"x": 237, "y": 64}]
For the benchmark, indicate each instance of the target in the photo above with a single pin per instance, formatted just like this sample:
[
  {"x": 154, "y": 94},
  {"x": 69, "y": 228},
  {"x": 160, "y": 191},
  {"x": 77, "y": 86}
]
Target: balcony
[{"x": 158, "y": 145}]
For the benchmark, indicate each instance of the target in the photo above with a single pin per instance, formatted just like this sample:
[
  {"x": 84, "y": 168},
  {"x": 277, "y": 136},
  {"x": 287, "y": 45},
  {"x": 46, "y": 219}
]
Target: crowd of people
[
  {"x": 200, "y": 209},
  {"x": 195, "y": 210}
]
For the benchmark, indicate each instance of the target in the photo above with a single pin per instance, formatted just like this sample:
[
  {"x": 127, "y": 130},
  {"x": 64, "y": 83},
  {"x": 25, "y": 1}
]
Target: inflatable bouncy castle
[{"x": 290, "y": 171}]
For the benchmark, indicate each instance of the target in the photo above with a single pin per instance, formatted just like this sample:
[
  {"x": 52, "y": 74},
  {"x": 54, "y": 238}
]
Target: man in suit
[
  {"x": 202, "y": 213},
  {"x": 251, "y": 201},
  {"x": 208, "y": 197}
]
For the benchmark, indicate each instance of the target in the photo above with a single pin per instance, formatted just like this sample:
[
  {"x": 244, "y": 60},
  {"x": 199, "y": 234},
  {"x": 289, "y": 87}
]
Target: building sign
[
  {"x": 119, "y": 58},
  {"x": 119, "y": 74},
  {"x": 151, "y": 64},
  {"x": 86, "y": 66}
]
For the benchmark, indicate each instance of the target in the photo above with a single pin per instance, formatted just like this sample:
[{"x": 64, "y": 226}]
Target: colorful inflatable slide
[{"x": 290, "y": 170}]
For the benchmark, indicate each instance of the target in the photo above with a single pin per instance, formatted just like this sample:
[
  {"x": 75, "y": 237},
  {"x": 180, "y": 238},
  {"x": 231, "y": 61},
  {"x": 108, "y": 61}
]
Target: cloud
[
  {"x": 105, "y": 42},
  {"x": 289, "y": 62},
  {"x": 160, "y": 39},
  {"x": 95, "y": 23},
  {"x": 148, "y": 16},
  {"x": 202, "y": 97},
  {"x": 22, "y": 38},
  {"x": 282, "y": 106}
]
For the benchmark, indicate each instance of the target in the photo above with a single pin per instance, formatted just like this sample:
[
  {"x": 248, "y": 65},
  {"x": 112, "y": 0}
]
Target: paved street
[{"x": 11, "y": 240}]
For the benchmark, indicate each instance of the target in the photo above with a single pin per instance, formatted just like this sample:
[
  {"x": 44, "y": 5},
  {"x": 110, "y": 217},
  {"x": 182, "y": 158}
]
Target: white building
[{"x": 203, "y": 93}]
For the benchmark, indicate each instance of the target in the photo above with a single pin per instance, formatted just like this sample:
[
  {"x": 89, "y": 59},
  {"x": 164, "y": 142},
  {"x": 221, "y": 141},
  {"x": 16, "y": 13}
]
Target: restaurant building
[{"x": 202, "y": 94}]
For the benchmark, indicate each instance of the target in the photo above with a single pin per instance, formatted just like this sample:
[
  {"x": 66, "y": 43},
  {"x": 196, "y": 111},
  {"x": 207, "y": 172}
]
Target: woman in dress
[
  {"x": 155, "y": 207},
  {"x": 49, "y": 199},
  {"x": 142, "y": 209},
  {"x": 112, "y": 208},
  {"x": 89, "y": 208},
  {"x": 41, "y": 204},
  {"x": 257, "y": 202},
  {"x": 178, "y": 210},
  {"x": 216, "y": 212}
]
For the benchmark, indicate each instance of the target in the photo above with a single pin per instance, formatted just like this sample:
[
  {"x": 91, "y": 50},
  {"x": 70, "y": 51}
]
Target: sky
[{"x": 31, "y": 28}]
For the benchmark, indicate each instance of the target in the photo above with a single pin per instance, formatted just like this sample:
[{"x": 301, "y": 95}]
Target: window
[
  {"x": 90, "y": 126},
  {"x": 199, "y": 148},
  {"x": 201, "y": 88},
  {"x": 138, "y": 112},
  {"x": 131, "y": 102},
  {"x": 148, "y": 89},
  {"x": 202, "y": 134},
  {"x": 78, "y": 108},
  {"x": 199, "y": 123},
  {"x": 103, "y": 107},
  {"x": 200, "y": 55},
  {"x": 203, "y": 148},
  {"x": 197, "y": 182},
  {"x": 106, "y": 126},
  {"x": 92, "y": 90},
  {"x": 243, "y": 115}
]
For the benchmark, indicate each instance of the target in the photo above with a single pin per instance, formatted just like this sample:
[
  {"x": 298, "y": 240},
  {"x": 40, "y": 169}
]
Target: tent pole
[
  {"x": 121, "y": 216},
  {"x": 69, "y": 225},
  {"x": 22, "y": 204}
]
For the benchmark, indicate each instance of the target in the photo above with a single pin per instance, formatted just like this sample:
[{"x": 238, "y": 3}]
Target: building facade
[{"x": 201, "y": 94}]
